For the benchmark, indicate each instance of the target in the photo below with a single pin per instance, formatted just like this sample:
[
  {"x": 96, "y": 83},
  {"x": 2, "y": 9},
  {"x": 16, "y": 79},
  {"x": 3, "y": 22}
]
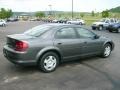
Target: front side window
[
  {"x": 66, "y": 33},
  {"x": 83, "y": 33}
]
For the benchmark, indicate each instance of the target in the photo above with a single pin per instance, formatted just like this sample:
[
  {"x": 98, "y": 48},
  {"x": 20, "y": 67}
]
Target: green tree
[
  {"x": 9, "y": 13},
  {"x": 93, "y": 13},
  {"x": 105, "y": 13},
  {"x": 82, "y": 15},
  {"x": 5, "y": 13},
  {"x": 2, "y": 13},
  {"x": 40, "y": 14}
]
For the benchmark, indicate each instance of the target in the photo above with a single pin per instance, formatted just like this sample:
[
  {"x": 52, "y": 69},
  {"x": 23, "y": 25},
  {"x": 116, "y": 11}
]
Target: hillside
[{"x": 115, "y": 10}]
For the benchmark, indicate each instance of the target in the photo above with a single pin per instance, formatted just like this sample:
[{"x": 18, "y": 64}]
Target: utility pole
[
  {"x": 50, "y": 12},
  {"x": 72, "y": 9}
]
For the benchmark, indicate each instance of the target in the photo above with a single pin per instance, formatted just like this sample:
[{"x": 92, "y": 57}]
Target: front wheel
[
  {"x": 3, "y": 25},
  {"x": 106, "y": 51},
  {"x": 110, "y": 30},
  {"x": 100, "y": 28},
  {"x": 48, "y": 62},
  {"x": 80, "y": 23}
]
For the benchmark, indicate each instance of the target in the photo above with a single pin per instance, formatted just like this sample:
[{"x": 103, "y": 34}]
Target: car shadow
[{"x": 27, "y": 70}]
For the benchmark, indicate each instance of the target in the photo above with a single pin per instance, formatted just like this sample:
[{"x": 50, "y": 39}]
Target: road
[{"x": 94, "y": 73}]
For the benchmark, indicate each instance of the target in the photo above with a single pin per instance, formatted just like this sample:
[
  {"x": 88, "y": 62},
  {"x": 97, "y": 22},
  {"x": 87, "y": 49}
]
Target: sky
[{"x": 58, "y": 5}]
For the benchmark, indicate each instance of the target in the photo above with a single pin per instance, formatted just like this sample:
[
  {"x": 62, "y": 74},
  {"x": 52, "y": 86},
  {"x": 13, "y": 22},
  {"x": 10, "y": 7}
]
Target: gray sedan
[{"x": 48, "y": 45}]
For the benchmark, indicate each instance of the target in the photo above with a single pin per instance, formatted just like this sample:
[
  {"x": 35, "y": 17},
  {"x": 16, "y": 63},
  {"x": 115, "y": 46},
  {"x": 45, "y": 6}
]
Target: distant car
[
  {"x": 2, "y": 22},
  {"x": 103, "y": 24},
  {"x": 59, "y": 21},
  {"x": 77, "y": 21},
  {"x": 55, "y": 21},
  {"x": 48, "y": 45},
  {"x": 33, "y": 19},
  {"x": 62, "y": 21},
  {"x": 12, "y": 19},
  {"x": 114, "y": 27}
]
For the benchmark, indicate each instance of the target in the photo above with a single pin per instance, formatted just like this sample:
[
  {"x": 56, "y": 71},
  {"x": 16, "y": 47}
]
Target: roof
[{"x": 58, "y": 24}]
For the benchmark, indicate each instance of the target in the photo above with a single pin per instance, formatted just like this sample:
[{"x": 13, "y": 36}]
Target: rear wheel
[
  {"x": 80, "y": 23},
  {"x": 106, "y": 51},
  {"x": 48, "y": 62},
  {"x": 69, "y": 22}
]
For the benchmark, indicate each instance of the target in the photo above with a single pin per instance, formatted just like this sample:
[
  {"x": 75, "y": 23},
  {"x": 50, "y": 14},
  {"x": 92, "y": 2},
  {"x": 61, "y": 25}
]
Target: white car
[
  {"x": 55, "y": 21},
  {"x": 77, "y": 21},
  {"x": 2, "y": 22}
]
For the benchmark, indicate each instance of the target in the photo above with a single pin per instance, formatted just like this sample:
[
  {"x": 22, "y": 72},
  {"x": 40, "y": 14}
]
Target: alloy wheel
[{"x": 50, "y": 63}]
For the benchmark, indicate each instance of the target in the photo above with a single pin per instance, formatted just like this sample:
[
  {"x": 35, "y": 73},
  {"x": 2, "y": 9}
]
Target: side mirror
[{"x": 96, "y": 37}]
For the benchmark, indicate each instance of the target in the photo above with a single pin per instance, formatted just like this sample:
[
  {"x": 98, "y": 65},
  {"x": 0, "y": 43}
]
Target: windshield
[{"x": 38, "y": 30}]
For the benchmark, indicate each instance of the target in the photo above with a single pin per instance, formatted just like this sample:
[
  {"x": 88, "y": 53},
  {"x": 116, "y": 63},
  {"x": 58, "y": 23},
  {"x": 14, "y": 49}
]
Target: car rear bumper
[{"x": 16, "y": 57}]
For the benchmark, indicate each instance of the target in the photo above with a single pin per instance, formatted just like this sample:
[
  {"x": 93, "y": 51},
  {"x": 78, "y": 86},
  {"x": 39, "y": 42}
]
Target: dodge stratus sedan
[{"x": 48, "y": 45}]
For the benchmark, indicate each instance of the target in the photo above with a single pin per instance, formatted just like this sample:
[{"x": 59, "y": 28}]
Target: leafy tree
[
  {"x": 59, "y": 15},
  {"x": 5, "y": 13},
  {"x": 82, "y": 15},
  {"x": 105, "y": 13},
  {"x": 40, "y": 14},
  {"x": 93, "y": 13},
  {"x": 9, "y": 13}
]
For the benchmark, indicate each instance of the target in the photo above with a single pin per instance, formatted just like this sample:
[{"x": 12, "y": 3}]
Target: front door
[{"x": 90, "y": 45}]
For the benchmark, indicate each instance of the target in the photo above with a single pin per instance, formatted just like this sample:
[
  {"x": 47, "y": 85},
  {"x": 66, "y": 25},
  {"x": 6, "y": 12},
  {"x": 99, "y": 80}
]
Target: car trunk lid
[{"x": 12, "y": 39}]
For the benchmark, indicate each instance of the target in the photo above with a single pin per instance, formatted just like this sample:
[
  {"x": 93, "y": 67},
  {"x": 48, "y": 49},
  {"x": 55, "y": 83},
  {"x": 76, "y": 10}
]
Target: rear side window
[
  {"x": 84, "y": 33},
  {"x": 66, "y": 33}
]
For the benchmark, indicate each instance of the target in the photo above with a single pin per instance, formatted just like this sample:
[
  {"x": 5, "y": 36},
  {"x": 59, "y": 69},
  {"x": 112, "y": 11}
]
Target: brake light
[{"x": 21, "y": 46}]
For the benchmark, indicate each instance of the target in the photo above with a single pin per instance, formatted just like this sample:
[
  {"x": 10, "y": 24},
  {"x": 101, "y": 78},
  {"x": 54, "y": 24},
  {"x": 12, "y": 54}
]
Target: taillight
[{"x": 21, "y": 46}]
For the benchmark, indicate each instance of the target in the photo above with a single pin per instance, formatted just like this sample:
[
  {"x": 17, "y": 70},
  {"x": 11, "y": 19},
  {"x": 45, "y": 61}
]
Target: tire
[
  {"x": 110, "y": 30},
  {"x": 3, "y": 25},
  {"x": 69, "y": 22},
  {"x": 100, "y": 28},
  {"x": 93, "y": 28},
  {"x": 80, "y": 23},
  {"x": 48, "y": 62},
  {"x": 118, "y": 31},
  {"x": 106, "y": 50}
]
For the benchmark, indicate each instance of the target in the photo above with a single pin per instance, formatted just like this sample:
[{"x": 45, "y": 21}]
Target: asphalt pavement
[{"x": 93, "y": 73}]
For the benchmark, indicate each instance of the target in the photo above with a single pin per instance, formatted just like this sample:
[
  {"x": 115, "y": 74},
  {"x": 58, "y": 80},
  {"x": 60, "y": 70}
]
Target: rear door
[{"x": 67, "y": 41}]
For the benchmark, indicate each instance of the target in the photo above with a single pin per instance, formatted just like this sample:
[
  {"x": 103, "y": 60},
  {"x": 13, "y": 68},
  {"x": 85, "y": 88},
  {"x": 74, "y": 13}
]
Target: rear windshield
[{"x": 38, "y": 30}]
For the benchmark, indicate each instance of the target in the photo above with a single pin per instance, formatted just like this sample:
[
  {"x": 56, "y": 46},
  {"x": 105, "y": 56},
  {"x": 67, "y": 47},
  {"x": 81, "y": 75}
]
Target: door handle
[{"x": 59, "y": 43}]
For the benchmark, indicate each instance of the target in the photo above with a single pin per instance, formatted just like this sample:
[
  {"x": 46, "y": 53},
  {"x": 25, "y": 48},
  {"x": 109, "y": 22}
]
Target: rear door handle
[
  {"x": 59, "y": 43},
  {"x": 85, "y": 42}
]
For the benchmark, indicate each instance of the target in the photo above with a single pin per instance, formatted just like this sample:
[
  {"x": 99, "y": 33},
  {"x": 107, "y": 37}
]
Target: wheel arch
[
  {"x": 49, "y": 49},
  {"x": 101, "y": 25},
  {"x": 111, "y": 43}
]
